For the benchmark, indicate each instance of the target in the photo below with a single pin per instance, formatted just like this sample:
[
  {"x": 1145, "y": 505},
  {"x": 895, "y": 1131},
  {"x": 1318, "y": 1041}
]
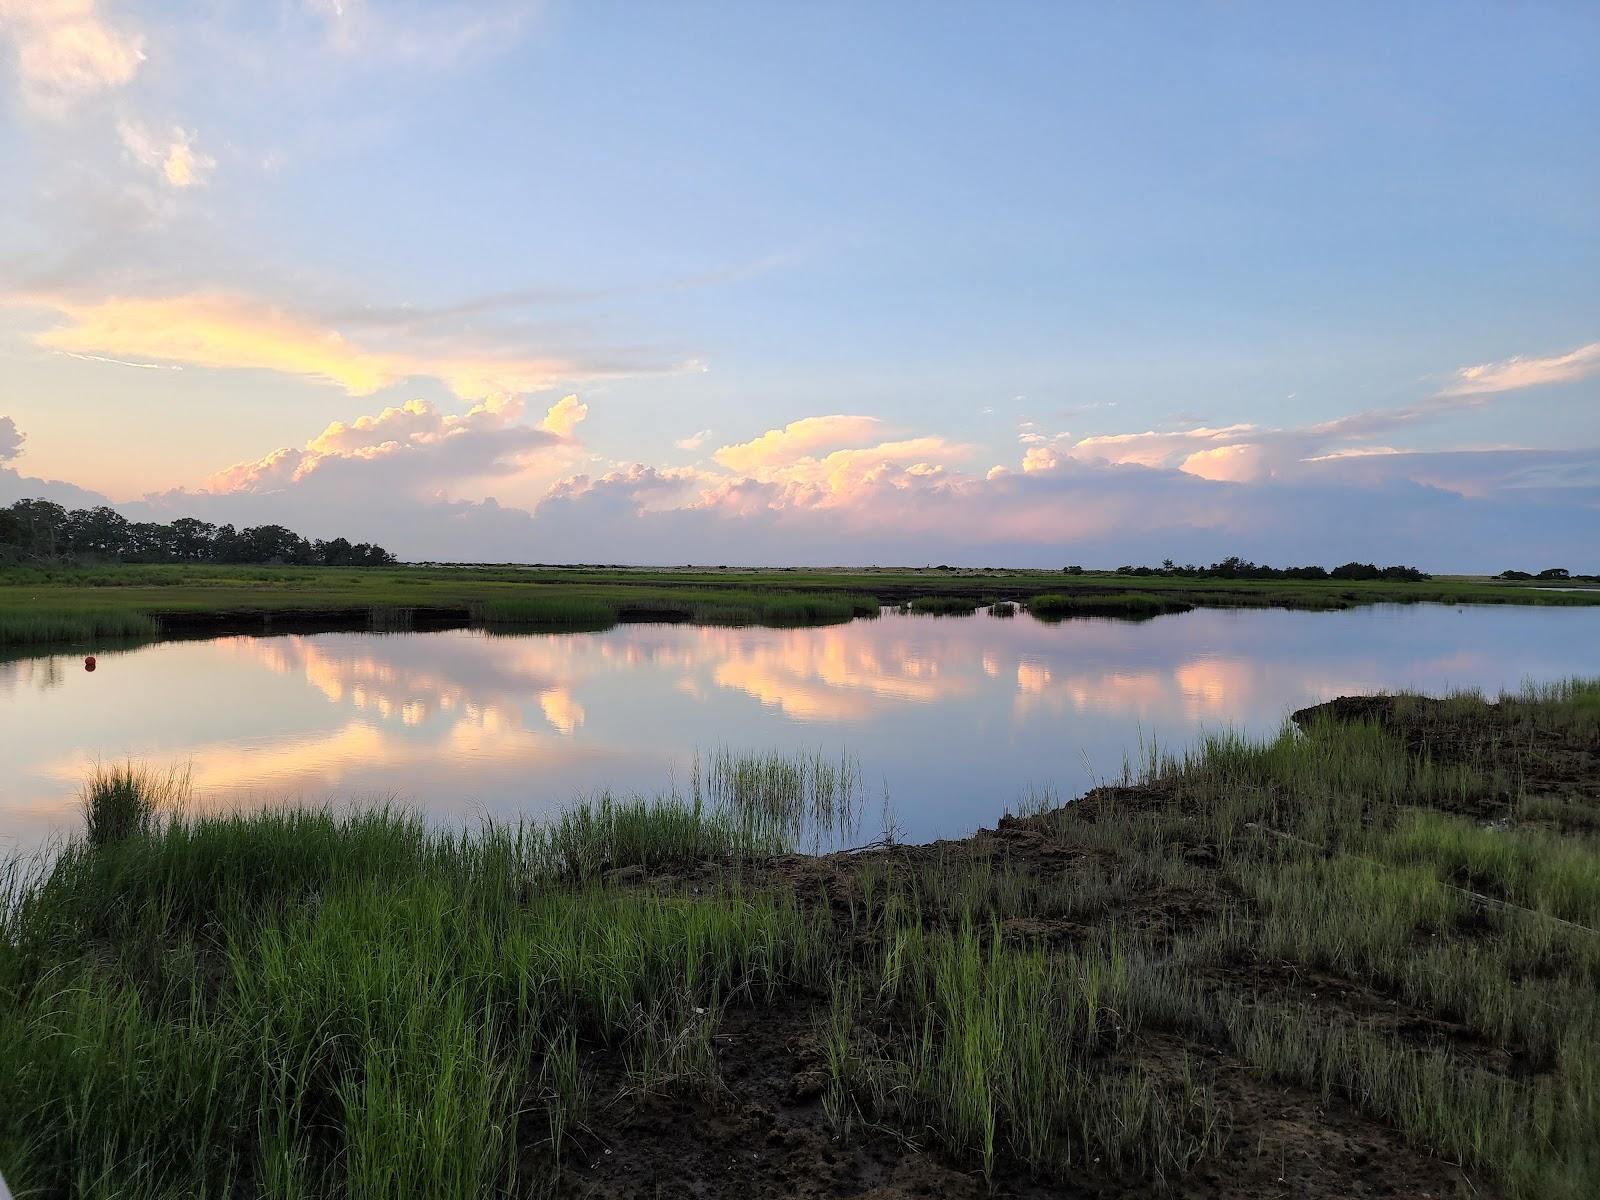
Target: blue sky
[{"x": 1011, "y": 268}]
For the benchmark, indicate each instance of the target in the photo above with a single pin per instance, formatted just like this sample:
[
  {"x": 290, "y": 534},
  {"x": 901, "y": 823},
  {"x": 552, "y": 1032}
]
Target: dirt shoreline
[{"x": 763, "y": 1132}]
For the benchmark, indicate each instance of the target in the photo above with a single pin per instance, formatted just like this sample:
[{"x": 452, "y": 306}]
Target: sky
[{"x": 1016, "y": 284}]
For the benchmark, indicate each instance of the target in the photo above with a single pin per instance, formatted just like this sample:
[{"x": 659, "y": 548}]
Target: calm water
[{"x": 955, "y": 717}]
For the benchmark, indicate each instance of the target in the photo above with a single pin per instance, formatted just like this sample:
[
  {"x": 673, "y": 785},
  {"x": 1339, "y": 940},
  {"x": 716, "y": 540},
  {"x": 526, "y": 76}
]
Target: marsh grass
[
  {"x": 69, "y": 625},
  {"x": 800, "y": 798},
  {"x": 546, "y": 611},
  {"x": 1128, "y": 605},
  {"x": 992, "y": 1050},
  {"x": 124, "y": 800},
  {"x": 358, "y": 1005},
  {"x": 1344, "y": 849}
]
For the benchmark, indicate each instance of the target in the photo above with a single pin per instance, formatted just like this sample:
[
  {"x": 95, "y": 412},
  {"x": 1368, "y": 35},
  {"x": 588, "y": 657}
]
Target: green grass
[
  {"x": 40, "y": 605},
  {"x": 120, "y": 802},
  {"x": 35, "y": 627},
  {"x": 300, "y": 1003}
]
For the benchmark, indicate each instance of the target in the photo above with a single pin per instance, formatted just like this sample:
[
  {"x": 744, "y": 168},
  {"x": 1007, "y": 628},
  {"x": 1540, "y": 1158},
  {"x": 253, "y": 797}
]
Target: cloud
[
  {"x": 211, "y": 329},
  {"x": 16, "y": 486},
  {"x": 172, "y": 155},
  {"x": 409, "y": 449},
  {"x": 1245, "y": 453},
  {"x": 11, "y": 439},
  {"x": 434, "y": 34},
  {"x": 65, "y": 50},
  {"x": 694, "y": 441},
  {"x": 564, "y": 416},
  {"x": 1510, "y": 374},
  {"x": 797, "y": 440}
]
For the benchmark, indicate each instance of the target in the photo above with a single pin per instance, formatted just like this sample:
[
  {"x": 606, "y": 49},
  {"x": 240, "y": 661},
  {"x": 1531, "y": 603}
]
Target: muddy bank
[{"x": 765, "y": 1128}]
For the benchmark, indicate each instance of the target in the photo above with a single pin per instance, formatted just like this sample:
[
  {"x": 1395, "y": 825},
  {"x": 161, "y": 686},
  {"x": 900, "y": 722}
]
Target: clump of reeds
[
  {"x": 1003, "y": 608},
  {"x": 795, "y": 797},
  {"x": 123, "y": 801},
  {"x": 74, "y": 626},
  {"x": 539, "y": 611}
]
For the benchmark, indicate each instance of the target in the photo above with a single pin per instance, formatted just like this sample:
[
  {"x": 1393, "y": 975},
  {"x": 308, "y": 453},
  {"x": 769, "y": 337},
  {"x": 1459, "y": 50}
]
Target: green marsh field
[{"x": 67, "y": 605}]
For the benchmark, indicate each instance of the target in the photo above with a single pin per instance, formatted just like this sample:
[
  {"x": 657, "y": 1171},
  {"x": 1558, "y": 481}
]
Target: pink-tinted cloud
[
  {"x": 796, "y": 441},
  {"x": 65, "y": 50},
  {"x": 694, "y": 441},
  {"x": 232, "y": 331},
  {"x": 1509, "y": 374},
  {"x": 564, "y": 416},
  {"x": 171, "y": 154},
  {"x": 412, "y": 447}
]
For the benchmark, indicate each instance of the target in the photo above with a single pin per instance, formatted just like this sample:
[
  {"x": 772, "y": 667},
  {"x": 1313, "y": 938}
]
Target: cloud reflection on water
[{"x": 957, "y": 715}]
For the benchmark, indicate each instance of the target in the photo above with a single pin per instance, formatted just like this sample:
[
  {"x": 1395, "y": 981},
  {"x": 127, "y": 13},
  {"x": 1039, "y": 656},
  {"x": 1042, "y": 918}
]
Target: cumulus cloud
[
  {"x": 379, "y": 478},
  {"x": 411, "y": 449},
  {"x": 827, "y": 461},
  {"x": 564, "y": 416},
  {"x": 1510, "y": 374},
  {"x": 172, "y": 155},
  {"x": 797, "y": 440},
  {"x": 212, "y": 329},
  {"x": 65, "y": 50}
]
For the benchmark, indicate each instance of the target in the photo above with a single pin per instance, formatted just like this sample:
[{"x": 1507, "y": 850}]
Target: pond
[{"x": 951, "y": 719}]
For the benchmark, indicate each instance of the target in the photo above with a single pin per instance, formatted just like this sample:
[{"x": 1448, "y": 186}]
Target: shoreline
[{"x": 70, "y": 605}]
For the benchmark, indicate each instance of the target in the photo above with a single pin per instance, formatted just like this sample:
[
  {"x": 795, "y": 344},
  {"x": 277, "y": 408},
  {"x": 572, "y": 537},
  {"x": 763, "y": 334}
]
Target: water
[{"x": 955, "y": 718}]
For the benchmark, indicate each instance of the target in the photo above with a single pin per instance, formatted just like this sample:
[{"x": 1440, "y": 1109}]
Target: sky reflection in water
[{"x": 955, "y": 717}]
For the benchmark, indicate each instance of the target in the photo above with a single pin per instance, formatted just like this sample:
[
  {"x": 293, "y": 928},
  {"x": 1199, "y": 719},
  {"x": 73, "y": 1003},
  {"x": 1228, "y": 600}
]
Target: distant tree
[
  {"x": 98, "y": 532},
  {"x": 1514, "y": 575},
  {"x": 1235, "y": 567},
  {"x": 40, "y": 531},
  {"x": 1554, "y": 573},
  {"x": 41, "y": 527},
  {"x": 191, "y": 539}
]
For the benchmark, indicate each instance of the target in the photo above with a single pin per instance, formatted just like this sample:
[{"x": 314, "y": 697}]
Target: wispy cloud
[
  {"x": 66, "y": 50},
  {"x": 1509, "y": 374},
  {"x": 221, "y": 330},
  {"x": 694, "y": 441},
  {"x": 436, "y": 34},
  {"x": 172, "y": 155},
  {"x": 119, "y": 362}
]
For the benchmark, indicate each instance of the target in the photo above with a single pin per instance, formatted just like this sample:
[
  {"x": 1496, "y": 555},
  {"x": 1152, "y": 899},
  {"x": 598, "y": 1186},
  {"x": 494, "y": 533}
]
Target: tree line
[
  {"x": 42, "y": 531},
  {"x": 1234, "y": 567}
]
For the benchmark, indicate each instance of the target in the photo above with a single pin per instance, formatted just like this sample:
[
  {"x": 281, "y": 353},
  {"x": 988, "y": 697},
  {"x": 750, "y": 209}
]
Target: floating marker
[{"x": 88, "y": 662}]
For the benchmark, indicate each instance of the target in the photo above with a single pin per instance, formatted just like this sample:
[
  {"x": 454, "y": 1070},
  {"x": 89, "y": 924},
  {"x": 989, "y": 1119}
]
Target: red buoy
[{"x": 88, "y": 662}]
